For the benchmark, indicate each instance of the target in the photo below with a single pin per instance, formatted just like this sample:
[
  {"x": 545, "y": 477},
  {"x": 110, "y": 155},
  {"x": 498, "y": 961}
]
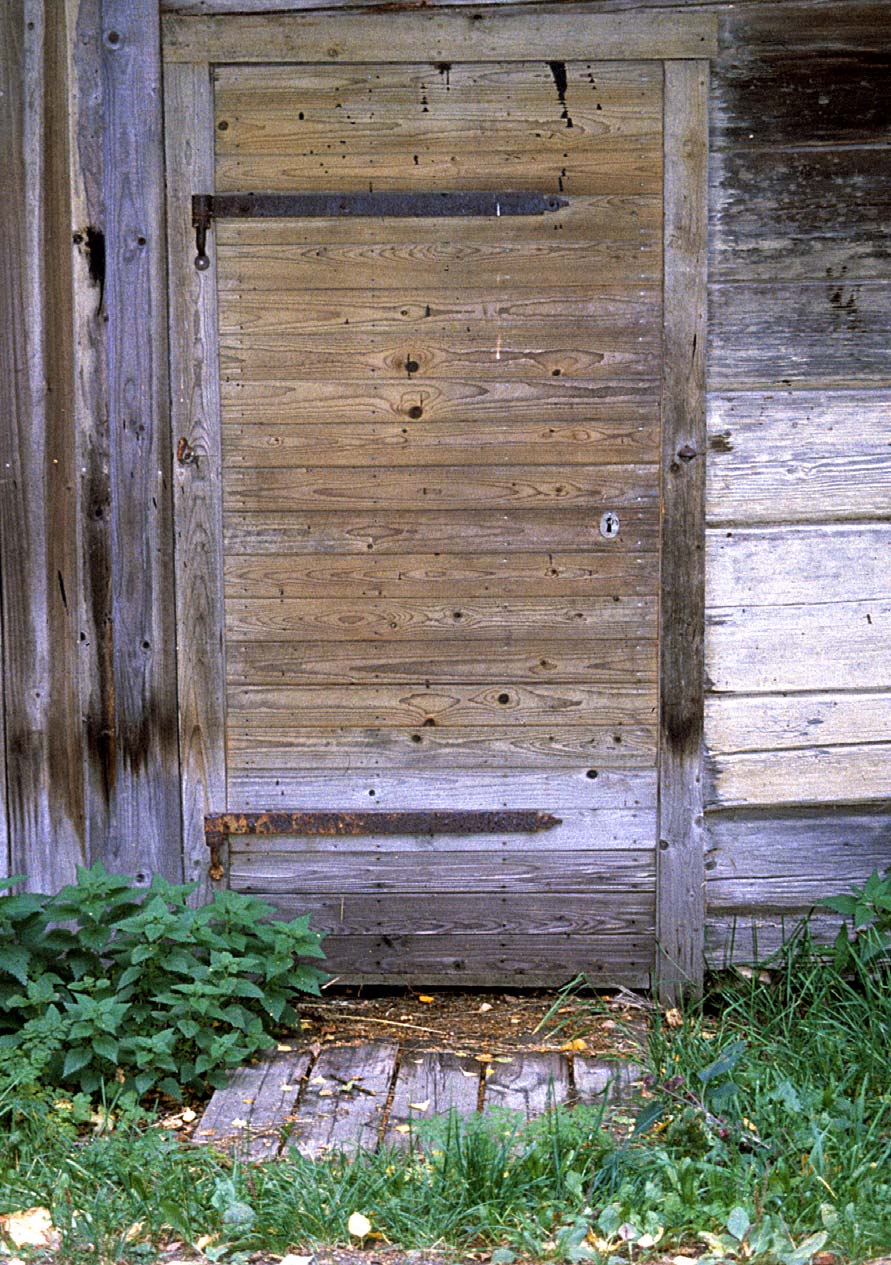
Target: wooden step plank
[
  {"x": 414, "y": 619},
  {"x": 286, "y": 311},
  {"x": 455, "y": 705},
  {"x": 252, "y": 1110},
  {"x": 596, "y": 1081},
  {"x": 342, "y": 1106},
  {"x": 604, "y": 749},
  {"x": 342, "y": 872},
  {"x": 527, "y": 1083},
  {"x": 462, "y": 532},
  {"x": 429, "y": 1085}
]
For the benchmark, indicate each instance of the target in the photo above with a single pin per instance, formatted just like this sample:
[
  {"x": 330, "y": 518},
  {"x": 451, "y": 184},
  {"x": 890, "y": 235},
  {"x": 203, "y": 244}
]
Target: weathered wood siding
[{"x": 798, "y": 473}]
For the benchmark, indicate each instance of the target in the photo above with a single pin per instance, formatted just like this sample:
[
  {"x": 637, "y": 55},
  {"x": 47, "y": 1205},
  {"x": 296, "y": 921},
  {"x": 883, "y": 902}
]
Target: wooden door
[{"x": 439, "y": 508}]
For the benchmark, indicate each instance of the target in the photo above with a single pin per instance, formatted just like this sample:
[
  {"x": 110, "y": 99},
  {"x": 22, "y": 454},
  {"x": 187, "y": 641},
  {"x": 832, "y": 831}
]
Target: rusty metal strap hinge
[
  {"x": 451, "y": 203},
  {"x": 219, "y": 826}
]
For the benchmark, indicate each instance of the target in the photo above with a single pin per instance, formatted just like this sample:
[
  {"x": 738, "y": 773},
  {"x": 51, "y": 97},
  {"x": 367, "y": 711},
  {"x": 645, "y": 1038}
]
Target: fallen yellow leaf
[
  {"x": 32, "y": 1227},
  {"x": 358, "y": 1225},
  {"x": 485, "y": 1007},
  {"x": 674, "y": 1018},
  {"x": 420, "y": 1106},
  {"x": 426, "y": 998},
  {"x": 189, "y": 1115},
  {"x": 285, "y": 1049},
  {"x": 403, "y": 1128},
  {"x": 203, "y": 1242}
]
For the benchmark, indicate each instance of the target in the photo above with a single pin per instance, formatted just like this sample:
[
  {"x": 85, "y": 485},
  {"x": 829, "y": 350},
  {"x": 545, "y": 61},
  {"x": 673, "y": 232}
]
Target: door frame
[{"x": 683, "y": 42}]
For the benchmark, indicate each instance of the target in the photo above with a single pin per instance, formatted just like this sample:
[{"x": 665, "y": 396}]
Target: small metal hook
[{"x": 202, "y": 214}]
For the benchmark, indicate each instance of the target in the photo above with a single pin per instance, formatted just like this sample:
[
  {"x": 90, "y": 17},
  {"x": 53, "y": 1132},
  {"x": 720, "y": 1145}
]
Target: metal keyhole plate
[{"x": 609, "y": 525}]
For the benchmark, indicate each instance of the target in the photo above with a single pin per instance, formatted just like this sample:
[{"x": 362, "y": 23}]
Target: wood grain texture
[
  {"x": 776, "y": 722},
  {"x": 291, "y": 663},
  {"x": 413, "y": 705},
  {"x": 555, "y": 791},
  {"x": 414, "y": 575},
  {"x": 811, "y": 646},
  {"x": 39, "y": 546},
  {"x": 417, "y": 619},
  {"x": 147, "y": 812},
  {"x": 253, "y": 1108},
  {"x": 437, "y": 37},
  {"x": 680, "y": 876},
  {"x": 798, "y": 456},
  {"x": 832, "y": 333},
  {"x": 428, "y": 1085},
  {"x": 195, "y": 417},
  {"x": 436, "y": 750},
  {"x": 528, "y": 1086},
  {"x": 437, "y": 530}
]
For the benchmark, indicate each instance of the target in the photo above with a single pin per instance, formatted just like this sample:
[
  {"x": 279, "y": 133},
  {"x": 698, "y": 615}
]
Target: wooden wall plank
[
  {"x": 437, "y": 37},
  {"x": 39, "y": 547},
  {"x": 147, "y": 825},
  {"x": 798, "y": 456},
  {"x": 791, "y": 566},
  {"x": 776, "y": 212},
  {"x": 808, "y": 775},
  {"x": 775, "y": 722},
  {"x": 812, "y": 646},
  {"x": 90, "y": 412},
  {"x": 446, "y": 531},
  {"x": 832, "y": 333},
  {"x": 436, "y": 749},
  {"x": 680, "y": 900},
  {"x": 195, "y": 417}
]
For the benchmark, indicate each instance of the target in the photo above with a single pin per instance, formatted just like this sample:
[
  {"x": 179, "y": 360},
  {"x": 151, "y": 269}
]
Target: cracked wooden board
[{"x": 342, "y": 1106}]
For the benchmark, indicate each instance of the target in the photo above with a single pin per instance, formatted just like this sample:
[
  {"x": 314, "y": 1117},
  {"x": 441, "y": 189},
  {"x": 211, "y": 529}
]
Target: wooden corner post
[{"x": 680, "y": 873}]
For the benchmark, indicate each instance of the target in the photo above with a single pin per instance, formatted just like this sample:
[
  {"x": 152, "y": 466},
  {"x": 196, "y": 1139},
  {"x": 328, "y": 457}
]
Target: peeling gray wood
[
  {"x": 342, "y": 1106},
  {"x": 596, "y": 1082},
  {"x": 146, "y": 831},
  {"x": 747, "y": 937},
  {"x": 680, "y": 878},
  {"x": 772, "y": 722},
  {"x": 432, "y": 37},
  {"x": 798, "y": 456},
  {"x": 195, "y": 418},
  {"x": 853, "y": 774}
]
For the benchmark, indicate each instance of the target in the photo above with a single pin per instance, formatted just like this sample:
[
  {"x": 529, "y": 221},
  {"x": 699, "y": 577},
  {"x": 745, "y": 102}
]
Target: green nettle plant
[
  {"x": 106, "y": 982},
  {"x": 869, "y": 908}
]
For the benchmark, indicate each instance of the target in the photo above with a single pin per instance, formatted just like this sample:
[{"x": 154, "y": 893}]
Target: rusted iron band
[{"x": 274, "y": 822}]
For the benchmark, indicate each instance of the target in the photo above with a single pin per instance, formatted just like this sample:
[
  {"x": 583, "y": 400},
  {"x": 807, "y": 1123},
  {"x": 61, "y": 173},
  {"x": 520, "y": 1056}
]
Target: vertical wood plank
[
  {"x": 197, "y": 482},
  {"x": 680, "y": 875},
  {"x": 90, "y": 415},
  {"x": 38, "y": 503},
  {"x": 146, "y": 822}
]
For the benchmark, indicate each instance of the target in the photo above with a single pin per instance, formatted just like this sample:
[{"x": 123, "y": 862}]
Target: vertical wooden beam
[
  {"x": 38, "y": 485},
  {"x": 86, "y": 122},
  {"x": 195, "y": 419},
  {"x": 145, "y": 836},
  {"x": 680, "y": 875}
]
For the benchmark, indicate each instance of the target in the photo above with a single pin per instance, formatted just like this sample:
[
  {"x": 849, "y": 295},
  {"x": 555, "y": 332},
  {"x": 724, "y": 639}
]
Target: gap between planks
[{"x": 342, "y": 1098}]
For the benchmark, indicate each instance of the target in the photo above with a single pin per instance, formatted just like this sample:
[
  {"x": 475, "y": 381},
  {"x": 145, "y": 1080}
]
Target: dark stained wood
[
  {"x": 342, "y": 1106},
  {"x": 814, "y": 213},
  {"x": 680, "y": 897},
  {"x": 844, "y": 96},
  {"x": 816, "y": 334},
  {"x": 429, "y": 1085},
  {"x": 146, "y": 823},
  {"x": 799, "y": 456},
  {"x": 39, "y": 548}
]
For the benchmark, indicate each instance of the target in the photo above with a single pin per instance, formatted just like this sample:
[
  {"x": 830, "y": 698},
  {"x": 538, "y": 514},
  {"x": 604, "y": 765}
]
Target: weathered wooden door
[{"x": 433, "y": 484}]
